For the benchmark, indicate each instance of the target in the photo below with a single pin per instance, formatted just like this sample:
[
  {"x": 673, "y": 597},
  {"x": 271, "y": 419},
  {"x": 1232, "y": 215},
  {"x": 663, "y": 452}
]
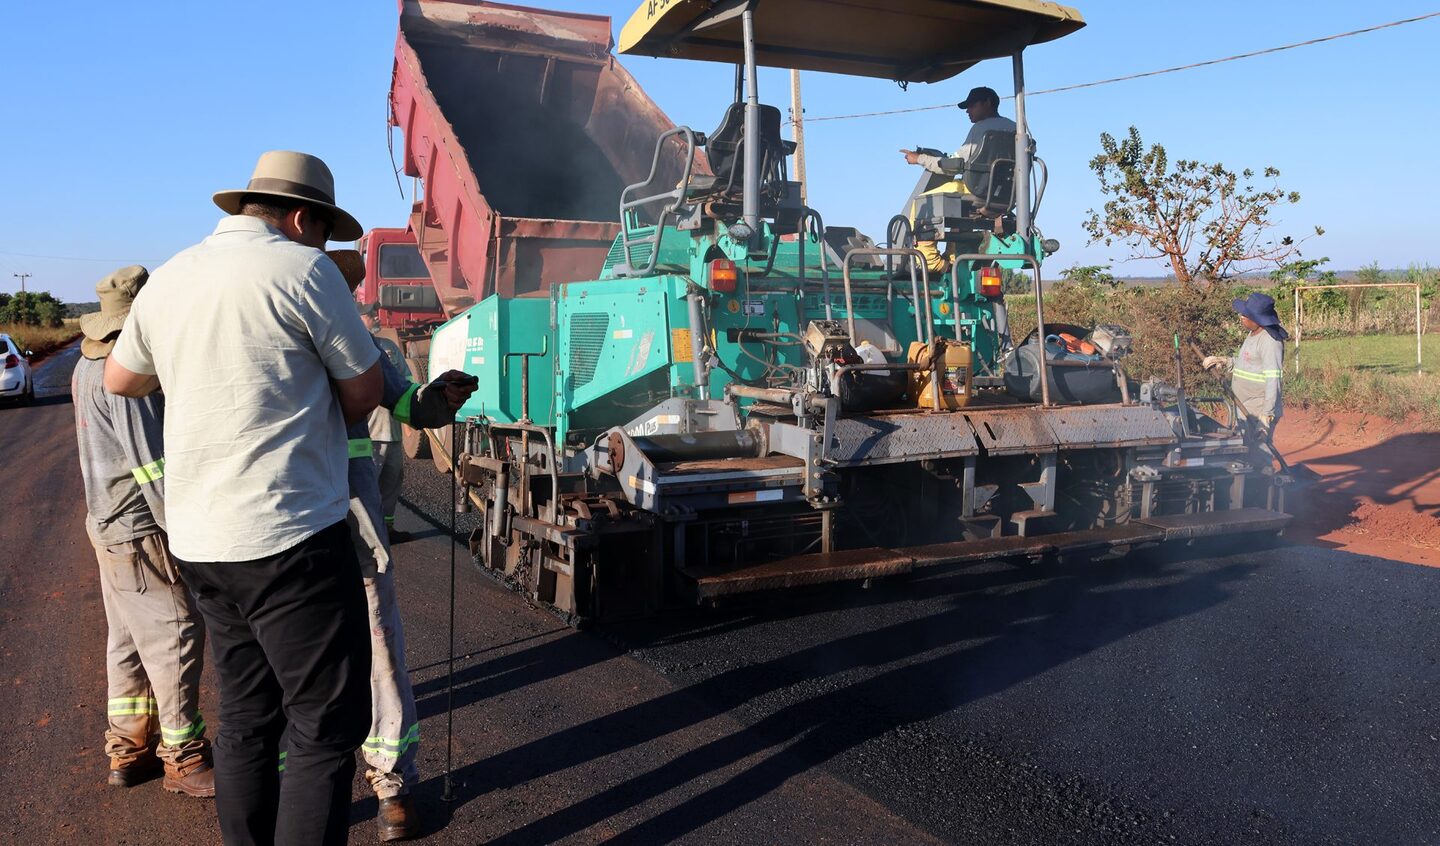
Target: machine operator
[{"x": 982, "y": 105}]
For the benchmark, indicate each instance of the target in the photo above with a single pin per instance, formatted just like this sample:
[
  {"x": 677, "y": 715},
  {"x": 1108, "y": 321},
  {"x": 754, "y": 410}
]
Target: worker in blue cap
[{"x": 1257, "y": 369}]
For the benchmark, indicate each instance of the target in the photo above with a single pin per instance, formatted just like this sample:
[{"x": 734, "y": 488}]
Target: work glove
[
  {"x": 435, "y": 404},
  {"x": 1268, "y": 421},
  {"x": 1213, "y": 361}
]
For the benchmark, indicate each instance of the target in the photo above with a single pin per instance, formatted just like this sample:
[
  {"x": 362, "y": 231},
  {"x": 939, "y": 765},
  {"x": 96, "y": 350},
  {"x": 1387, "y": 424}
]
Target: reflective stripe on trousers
[
  {"x": 152, "y": 472},
  {"x": 154, "y": 656}
]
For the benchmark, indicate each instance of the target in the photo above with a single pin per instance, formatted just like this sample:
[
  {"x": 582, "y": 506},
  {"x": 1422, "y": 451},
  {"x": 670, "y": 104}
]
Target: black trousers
[{"x": 291, "y": 645}]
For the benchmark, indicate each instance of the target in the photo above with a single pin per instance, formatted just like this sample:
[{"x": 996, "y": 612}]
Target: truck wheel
[
  {"x": 415, "y": 442},
  {"x": 440, "y": 449}
]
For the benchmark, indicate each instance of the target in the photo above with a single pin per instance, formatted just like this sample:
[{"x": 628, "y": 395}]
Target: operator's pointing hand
[{"x": 911, "y": 156}]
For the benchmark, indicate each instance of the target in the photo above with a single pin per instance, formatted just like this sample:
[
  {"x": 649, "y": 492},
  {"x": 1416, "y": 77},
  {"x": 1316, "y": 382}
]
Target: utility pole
[
  {"x": 22, "y": 277},
  {"x": 797, "y": 134}
]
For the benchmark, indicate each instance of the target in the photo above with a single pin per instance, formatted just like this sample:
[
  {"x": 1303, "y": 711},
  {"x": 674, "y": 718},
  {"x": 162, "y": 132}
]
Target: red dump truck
[{"x": 520, "y": 130}]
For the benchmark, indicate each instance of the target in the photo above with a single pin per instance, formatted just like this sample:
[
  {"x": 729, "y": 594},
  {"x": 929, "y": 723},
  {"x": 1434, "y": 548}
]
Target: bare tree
[{"x": 1207, "y": 221}]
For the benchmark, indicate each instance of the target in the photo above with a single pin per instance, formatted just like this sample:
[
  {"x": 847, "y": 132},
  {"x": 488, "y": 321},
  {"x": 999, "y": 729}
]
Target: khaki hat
[
  {"x": 294, "y": 176},
  {"x": 351, "y": 264},
  {"x": 116, "y": 292}
]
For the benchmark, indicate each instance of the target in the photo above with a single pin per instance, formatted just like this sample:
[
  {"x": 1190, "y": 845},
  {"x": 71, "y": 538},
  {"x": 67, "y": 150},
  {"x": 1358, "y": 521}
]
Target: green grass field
[
  {"x": 1392, "y": 354},
  {"x": 1374, "y": 374}
]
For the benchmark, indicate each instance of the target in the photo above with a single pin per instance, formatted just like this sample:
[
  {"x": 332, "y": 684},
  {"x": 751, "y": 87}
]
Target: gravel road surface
[{"x": 1284, "y": 695}]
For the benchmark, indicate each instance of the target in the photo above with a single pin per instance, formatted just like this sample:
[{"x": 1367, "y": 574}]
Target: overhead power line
[
  {"x": 78, "y": 258},
  {"x": 1132, "y": 76}
]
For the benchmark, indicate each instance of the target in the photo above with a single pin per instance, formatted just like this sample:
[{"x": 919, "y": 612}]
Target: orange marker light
[
  {"x": 990, "y": 283},
  {"x": 723, "y": 276}
]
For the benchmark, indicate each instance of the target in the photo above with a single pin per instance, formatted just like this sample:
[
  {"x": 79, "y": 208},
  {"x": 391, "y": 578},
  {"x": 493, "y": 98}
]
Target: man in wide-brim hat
[
  {"x": 156, "y": 645},
  {"x": 254, "y": 337},
  {"x": 295, "y": 180},
  {"x": 1257, "y": 369}
]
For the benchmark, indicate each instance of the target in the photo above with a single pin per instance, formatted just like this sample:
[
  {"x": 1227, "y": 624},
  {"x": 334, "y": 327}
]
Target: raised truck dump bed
[{"x": 523, "y": 129}]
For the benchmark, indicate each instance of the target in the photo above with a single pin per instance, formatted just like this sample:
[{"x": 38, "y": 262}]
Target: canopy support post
[
  {"x": 1023, "y": 223},
  {"x": 751, "y": 206}
]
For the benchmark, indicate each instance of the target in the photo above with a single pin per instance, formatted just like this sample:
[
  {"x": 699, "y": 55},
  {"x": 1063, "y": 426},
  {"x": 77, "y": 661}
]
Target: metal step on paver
[
  {"x": 796, "y": 571},
  {"x": 878, "y": 562},
  {"x": 1212, "y": 523}
]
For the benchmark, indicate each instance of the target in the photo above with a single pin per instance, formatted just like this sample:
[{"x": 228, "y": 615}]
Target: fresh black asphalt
[{"x": 1257, "y": 694}]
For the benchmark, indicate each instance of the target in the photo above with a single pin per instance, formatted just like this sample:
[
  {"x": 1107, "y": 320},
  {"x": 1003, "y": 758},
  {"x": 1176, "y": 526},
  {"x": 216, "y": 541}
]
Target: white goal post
[{"x": 1300, "y": 313}]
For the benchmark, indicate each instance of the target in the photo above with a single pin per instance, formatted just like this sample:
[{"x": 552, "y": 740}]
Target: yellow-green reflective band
[
  {"x": 130, "y": 706},
  {"x": 402, "y": 406},
  {"x": 173, "y": 737},
  {"x": 361, "y": 448},
  {"x": 1250, "y": 377},
  {"x": 152, "y": 472},
  {"x": 281, "y": 767},
  {"x": 386, "y": 746}
]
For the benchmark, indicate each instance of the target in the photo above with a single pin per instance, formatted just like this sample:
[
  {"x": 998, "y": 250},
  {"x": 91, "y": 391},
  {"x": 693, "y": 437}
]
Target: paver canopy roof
[{"x": 903, "y": 40}]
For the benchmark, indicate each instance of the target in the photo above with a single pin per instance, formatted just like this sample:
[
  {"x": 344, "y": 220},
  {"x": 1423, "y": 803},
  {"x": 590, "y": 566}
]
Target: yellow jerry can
[{"x": 957, "y": 386}]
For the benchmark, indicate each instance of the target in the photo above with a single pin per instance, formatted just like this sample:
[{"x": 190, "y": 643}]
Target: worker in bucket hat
[
  {"x": 1257, "y": 369},
  {"x": 156, "y": 643}
]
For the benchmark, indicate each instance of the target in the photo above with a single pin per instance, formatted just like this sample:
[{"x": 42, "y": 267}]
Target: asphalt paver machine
[{"x": 744, "y": 399}]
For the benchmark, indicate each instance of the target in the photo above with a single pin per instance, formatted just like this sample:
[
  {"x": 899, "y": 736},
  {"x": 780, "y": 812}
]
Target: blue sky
[{"x": 123, "y": 119}]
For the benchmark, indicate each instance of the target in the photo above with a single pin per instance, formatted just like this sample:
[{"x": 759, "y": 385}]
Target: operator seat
[
  {"x": 726, "y": 149},
  {"x": 992, "y": 172}
]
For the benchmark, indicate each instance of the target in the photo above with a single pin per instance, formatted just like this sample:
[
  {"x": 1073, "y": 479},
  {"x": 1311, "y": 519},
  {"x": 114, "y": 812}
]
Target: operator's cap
[
  {"x": 367, "y": 309},
  {"x": 980, "y": 95}
]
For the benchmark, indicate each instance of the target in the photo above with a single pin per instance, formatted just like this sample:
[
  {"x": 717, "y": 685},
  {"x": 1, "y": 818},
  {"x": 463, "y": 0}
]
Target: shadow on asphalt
[{"x": 999, "y": 626}]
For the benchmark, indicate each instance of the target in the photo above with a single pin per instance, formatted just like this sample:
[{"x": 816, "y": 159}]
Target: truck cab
[{"x": 398, "y": 281}]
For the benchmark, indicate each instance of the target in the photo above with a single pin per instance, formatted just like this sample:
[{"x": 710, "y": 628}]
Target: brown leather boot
[
  {"x": 199, "y": 782},
  {"x": 397, "y": 819},
  {"x": 133, "y": 773}
]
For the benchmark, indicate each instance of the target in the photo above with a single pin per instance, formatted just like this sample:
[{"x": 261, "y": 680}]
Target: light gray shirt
[
  {"x": 246, "y": 331},
  {"x": 121, "y": 458},
  {"x": 1257, "y": 371},
  {"x": 976, "y": 180}
]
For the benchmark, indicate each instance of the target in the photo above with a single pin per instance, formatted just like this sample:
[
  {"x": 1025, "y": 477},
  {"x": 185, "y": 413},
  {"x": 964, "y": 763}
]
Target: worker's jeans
[
  {"x": 155, "y": 654},
  {"x": 390, "y": 464},
  {"x": 289, "y": 640}
]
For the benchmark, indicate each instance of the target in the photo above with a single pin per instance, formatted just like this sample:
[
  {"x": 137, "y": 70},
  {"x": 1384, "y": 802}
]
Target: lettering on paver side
[{"x": 652, "y": 426}]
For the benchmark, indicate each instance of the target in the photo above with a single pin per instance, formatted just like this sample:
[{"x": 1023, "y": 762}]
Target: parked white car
[{"x": 16, "y": 380}]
